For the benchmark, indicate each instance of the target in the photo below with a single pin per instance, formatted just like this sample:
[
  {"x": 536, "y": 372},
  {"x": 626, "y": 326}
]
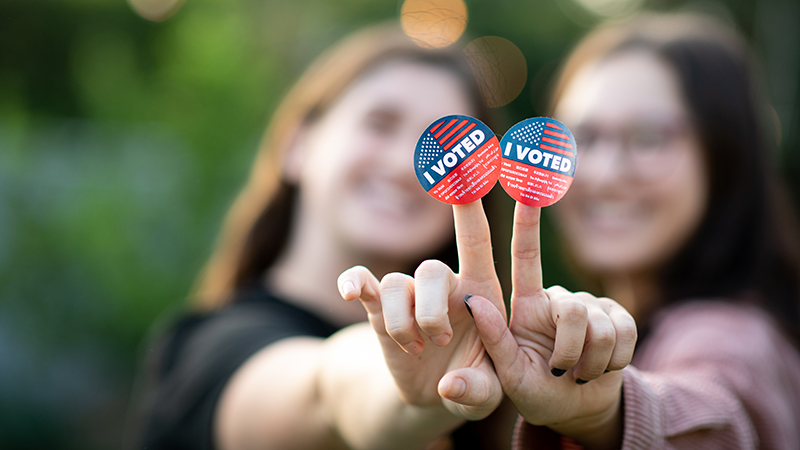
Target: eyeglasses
[{"x": 649, "y": 148}]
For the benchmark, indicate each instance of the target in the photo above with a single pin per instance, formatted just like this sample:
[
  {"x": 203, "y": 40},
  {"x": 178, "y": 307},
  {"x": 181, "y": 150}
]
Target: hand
[
  {"x": 552, "y": 357},
  {"x": 430, "y": 343}
]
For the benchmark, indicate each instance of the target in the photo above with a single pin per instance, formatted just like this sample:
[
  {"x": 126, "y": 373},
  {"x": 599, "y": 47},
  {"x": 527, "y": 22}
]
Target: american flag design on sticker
[
  {"x": 457, "y": 159},
  {"x": 538, "y": 161}
]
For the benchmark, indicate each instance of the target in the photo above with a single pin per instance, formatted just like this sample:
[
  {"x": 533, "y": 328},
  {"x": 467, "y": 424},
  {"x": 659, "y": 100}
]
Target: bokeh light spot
[
  {"x": 500, "y": 68},
  {"x": 434, "y": 23},
  {"x": 156, "y": 10}
]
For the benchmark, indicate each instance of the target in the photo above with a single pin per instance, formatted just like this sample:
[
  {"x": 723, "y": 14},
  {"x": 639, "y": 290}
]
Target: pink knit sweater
[{"x": 712, "y": 375}]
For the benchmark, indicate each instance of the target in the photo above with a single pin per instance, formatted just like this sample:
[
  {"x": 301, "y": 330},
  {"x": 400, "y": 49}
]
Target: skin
[
  {"x": 359, "y": 202},
  {"x": 549, "y": 328},
  {"x": 621, "y": 224}
]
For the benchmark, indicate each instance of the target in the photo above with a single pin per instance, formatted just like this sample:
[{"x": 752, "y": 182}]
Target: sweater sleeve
[{"x": 711, "y": 376}]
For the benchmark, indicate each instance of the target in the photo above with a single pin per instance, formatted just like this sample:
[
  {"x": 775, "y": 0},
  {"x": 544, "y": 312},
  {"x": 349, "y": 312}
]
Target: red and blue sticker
[
  {"x": 538, "y": 161},
  {"x": 457, "y": 159}
]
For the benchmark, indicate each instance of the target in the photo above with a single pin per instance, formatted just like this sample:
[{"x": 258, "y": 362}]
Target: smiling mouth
[
  {"x": 388, "y": 197},
  {"x": 612, "y": 216}
]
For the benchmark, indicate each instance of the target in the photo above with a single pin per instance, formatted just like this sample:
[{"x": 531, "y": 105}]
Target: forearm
[
  {"x": 361, "y": 400},
  {"x": 272, "y": 401}
]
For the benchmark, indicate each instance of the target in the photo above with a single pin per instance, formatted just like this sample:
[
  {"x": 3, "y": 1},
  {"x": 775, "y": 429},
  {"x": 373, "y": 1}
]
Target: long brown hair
[
  {"x": 259, "y": 222},
  {"x": 746, "y": 246}
]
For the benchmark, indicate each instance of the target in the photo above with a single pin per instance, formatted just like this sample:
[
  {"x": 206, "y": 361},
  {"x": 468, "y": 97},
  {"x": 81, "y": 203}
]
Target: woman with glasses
[{"x": 676, "y": 213}]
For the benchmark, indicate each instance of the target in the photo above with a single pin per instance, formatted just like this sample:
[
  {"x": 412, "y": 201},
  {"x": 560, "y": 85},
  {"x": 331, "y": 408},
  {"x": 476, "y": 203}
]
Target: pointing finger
[
  {"x": 526, "y": 263},
  {"x": 474, "y": 242}
]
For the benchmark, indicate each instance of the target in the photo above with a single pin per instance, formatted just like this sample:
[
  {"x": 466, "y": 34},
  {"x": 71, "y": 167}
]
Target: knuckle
[
  {"x": 431, "y": 268},
  {"x": 527, "y": 221},
  {"x": 573, "y": 310},
  {"x": 432, "y": 323},
  {"x": 556, "y": 292},
  {"x": 526, "y": 254},
  {"x": 568, "y": 357},
  {"x": 401, "y": 330},
  {"x": 626, "y": 331},
  {"x": 360, "y": 270},
  {"x": 475, "y": 239},
  {"x": 618, "y": 362},
  {"x": 604, "y": 337},
  {"x": 393, "y": 281}
]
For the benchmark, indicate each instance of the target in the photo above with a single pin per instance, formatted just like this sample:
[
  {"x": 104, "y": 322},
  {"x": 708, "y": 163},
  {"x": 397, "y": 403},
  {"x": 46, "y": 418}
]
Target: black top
[{"x": 188, "y": 366}]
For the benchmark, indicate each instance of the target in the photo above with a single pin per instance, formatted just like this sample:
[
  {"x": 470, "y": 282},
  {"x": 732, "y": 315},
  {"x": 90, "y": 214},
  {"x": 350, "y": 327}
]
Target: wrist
[{"x": 598, "y": 431}]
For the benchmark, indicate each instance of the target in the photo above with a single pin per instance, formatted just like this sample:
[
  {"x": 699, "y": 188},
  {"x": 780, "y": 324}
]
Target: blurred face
[
  {"x": 357, "y": 179},
  {"x": 640, "y": 188}
]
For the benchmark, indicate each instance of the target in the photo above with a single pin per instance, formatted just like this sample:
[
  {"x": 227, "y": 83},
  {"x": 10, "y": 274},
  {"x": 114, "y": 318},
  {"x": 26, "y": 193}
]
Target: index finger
[
  {"x": 474, "y": 241},
  {"x": 526, "y": 255}
]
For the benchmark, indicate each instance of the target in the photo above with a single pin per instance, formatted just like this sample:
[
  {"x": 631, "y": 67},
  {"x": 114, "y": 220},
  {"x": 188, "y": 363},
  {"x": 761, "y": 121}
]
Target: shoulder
[
  {"x": 715, "y": 317},
  {"x": 716, "y": 365},
  {"x": 715, "y": 330},
  {"x": 217, "y": 342}
]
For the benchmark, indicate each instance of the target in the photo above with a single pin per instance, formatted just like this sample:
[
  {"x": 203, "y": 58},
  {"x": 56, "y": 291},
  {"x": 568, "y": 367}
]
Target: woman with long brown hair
[
  {"x": 260, "y": 363},
  {"x": 676, "y": 213}
]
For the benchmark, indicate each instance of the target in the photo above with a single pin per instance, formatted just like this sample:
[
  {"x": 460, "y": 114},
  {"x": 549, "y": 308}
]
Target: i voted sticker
[
  {"x": 538, "y": 161},
  {"x": 457, "y": 159}
]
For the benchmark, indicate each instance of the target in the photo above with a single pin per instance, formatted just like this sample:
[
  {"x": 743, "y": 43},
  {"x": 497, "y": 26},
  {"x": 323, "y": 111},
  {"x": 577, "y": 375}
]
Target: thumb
[
  {"x": 471, "y": 392},
  {"x": 495, "y": 335}
]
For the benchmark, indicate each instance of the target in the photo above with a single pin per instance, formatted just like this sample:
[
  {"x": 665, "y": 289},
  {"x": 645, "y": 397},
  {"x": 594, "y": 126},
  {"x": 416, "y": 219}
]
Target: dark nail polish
[
  {"x": 579, "y": 381},
  {"x": 466, "y": 302},
  {"x": 557, "y": 372}
]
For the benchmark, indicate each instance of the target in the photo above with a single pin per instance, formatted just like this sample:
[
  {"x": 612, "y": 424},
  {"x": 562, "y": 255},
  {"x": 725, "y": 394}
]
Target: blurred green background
[{"x": 124, "y": 140}]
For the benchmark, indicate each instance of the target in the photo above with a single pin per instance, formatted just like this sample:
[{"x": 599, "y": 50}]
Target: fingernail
[
  {"x": 457, "y": 388},
  {"x": 466, "y": 302},
  {"x": 579, "y": 381},
  {"x": 557, "y": 372},
  {"x": 348, "y": 287}
]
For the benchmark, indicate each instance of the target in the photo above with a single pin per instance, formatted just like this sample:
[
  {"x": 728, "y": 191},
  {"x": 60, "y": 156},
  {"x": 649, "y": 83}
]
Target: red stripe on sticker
[
  {"x": 552, "y": 125},
  {"x": 553, "y": 141},
  {"x": 558, "y": 135},
  {"x": 460, "y": 135},
  {"x": 452, "y": 131},
  {"x": 449, "y": 124},
  {"x": 557, "y": 150},
  {"x": 433, "y": 130}
]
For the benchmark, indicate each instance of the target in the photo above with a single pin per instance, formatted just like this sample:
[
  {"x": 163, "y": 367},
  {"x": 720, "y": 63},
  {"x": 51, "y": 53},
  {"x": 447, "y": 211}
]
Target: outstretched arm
[
  {"x": 359, "y": 388},
  {"x": 309, "y": 393}
]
